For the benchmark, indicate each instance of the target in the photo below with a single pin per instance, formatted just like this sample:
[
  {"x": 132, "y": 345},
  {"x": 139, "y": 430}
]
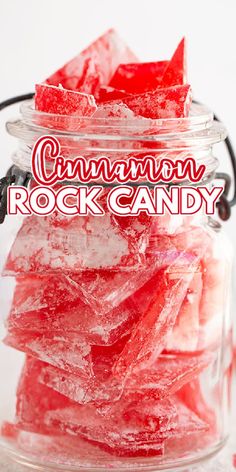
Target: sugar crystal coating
[
  {"x": 118, "y": 317},
  {"x": 171, "y": 102},
  {"x": 95, "y": 65},
  {"x": 51, "y": 99}
]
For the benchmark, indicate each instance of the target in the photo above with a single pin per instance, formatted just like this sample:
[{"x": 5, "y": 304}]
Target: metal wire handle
[{"x": 16, "y": 176}]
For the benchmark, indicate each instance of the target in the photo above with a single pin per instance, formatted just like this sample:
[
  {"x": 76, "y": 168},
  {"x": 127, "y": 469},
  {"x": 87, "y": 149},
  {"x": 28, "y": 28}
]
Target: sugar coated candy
[
  {"x": 56, "y": 100},
  {"x": 171, "y": 102},
  {"x": 119, "y": 318},
  {"x": 95, "y": 65}
]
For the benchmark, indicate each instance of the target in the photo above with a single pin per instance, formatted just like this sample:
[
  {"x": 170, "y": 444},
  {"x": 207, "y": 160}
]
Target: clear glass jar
[{"x": 117, "y": 333}]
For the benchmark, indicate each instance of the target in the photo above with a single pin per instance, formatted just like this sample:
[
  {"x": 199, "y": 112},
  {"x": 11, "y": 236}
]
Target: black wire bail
[{"x": 15, "y": 176}]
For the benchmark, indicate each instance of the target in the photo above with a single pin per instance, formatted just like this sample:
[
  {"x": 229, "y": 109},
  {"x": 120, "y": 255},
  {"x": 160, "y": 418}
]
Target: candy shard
[
  {"x": 191, "y": 394},
  {"x": 114, "y": 110},
  {"x": 107, "y": 93},
  {"x": 57, "y": 100},
  {"x": 75, "y": 309},
  {"x": 172, "y": 102},
  {"x": 68, "y": 352},
  {"x": 127, "y": 429},
  {"x": 84, "y": 244},
  {"x": 138, "y": 77},
  {"x": 166, "y": 376},
  {"x": 161, "y": 380},
  {"x": 185, "y": 334},
  {"x": 149, "y": 336},
  {"x": 34, "y": 400},
  {"x": 175, "y": 72},
  {"x": 95, "y": 65}
]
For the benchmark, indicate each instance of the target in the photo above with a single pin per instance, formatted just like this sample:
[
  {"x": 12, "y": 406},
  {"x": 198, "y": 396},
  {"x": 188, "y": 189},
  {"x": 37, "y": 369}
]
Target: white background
[{"x": 38, "y": 36}]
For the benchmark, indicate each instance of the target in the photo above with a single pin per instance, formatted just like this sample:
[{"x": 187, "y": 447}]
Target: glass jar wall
[{"x": 116, "y": 330}]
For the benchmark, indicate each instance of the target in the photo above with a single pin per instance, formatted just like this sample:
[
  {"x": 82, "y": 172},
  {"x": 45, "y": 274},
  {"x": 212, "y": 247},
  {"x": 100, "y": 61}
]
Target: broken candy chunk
[
  {"x": 196, "y": 400},
  {"x": 191, "y": 394},
  {"x": 172, "y": 102},
  {"x": 34, "y": 306},
  {"x": 105, "y": 290},
  {"x": 100, "y": 386},
  {"x": 69, "y": 352},
  {"x": 99, "y": 305},
  {"x": 107, "y": 93},
  {"x": 95, "y": 65},
  {"x": 175, "y": 72},
  {"x": 166, "y": 376},
  {"x": 63, "y": 109},
  {"x": 113, "y": 427},
  {"x": 149, "y": 336},
  {"x": 40, "y": 299},
  {"x": 114, "y": 110},
  {"x": 161, "y": 380},
  {"x": 190, "y": 435},
  {"x": 86, "y": 243},
  {"x": 108, "y": 427},
  {"x": 34, "y": 400},
  {"x": 57, "y": 100},
  {"x": 138, "y": 77},
  {"x": 185, "y": 334}
]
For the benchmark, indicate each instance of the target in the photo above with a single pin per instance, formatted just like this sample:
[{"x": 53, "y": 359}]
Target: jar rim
[
  {"x": 199, "y": 115},
  {"x": 198, "y": 130}
]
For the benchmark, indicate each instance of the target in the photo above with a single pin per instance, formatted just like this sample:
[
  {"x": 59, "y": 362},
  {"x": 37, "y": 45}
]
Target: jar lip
[
  {"x": 198, "y": 129},
  {"x": 199, "y": 115}
]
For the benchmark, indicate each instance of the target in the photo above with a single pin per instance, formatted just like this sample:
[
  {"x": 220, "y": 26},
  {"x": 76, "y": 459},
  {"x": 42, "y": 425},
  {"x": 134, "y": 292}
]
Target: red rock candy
[
  {"x": 84, "y": 244},
  {"x": 161, "y": 380},
  {"x": 51, "y": 99},
  {"x": 150, "y": 334},
  {"x": 95, "y": 65},
  {"x": 172, "y": 102},
  {"x": 138, "y": 77},
  {"x": 107, "y": 93},
  {"x": 175, "y": 72}
]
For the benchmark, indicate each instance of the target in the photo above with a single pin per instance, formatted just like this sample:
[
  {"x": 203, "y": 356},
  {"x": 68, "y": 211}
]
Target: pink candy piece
[
  {"x": 69, "y": 352},
  {"x": 191, "y": 394},
  {"x": 114, "y": 110},
  {"x": 107, "y": 93},
  {"x": 95, "y": 65},
  {"x": 127, "y": 430},
  {"x": 83, "y": 244},
  {"x": 185, "y": 334},
  {"x": 138, "y": 77},
  {"x": 175, "y": 72},
  {"x": 34, "y": 400},
  {"x": 150, "y": 334},
  {"x": 172, "y": 102},
  {"x": 93, "y": 308},
  {"x": 51, "y": 99},
  {"x": 163, "y": 379},
  {"x": 38, "y": 300}
]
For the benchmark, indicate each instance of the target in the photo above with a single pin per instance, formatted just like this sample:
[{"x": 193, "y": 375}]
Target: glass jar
[{"x": 117, "y": 334}]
